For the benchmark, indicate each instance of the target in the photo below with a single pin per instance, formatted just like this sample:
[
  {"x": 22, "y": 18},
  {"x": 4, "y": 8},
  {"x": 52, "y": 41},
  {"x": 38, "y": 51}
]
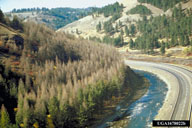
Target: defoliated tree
[{"x": 21, "y": 88}]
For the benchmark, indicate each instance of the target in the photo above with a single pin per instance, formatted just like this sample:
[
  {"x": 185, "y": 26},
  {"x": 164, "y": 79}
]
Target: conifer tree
[
  {"x": 133, "y": 29},
  {"x": 116, "y": 27},
  {"x": 98, "y": 27},
  {"x": 162, "y": 48},
  {"x": 2, "y": 17},
  {"x": 131, "y": 44},
  {"x": 126, "y": 31},
  {"x": 5, "y": 121},
  {"x": 122, "y": 32},
  {"x": 16, "y": 24},
  {"x": 53, "y": 108}
]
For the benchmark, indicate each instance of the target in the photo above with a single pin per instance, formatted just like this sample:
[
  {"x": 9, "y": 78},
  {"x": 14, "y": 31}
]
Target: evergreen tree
[
  {"x": 19, "y": 114},
  {"x": 167, "y": 45},
  {"x": 16, "y": 24},
  {"x": 83, "y": 115},
  {"x": 120, "y": 23},
  {"x": 122, "y": 32},
  {"x": 118, "y": 41},
  {"x": 54, "y": 109},
  {"x": 182, "y": 39},
  {"x": 116, "y": 27},
  {"x": 5, "y": 121},
  {"x": 173, "y": 40},
  {"x": 122, "y": 40},
  {"x": 131, "y": 44},
  {"x": 98, "y": 27},
  {"x": 126, "y": 31},
  {"x": 2, "y": 20},
  {"x": 133, "y": 30},
  {"x": 140, "y": 9},
  {"x": 187, "y": 41},
  {"x": 108, "y": 27},
  {"x": 162, "y": 48}
]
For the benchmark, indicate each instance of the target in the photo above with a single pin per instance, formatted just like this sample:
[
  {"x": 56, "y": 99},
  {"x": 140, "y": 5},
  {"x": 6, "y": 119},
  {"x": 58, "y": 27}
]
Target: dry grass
[
  {"x": 6, "y": 31},
  {"x": 87, "y": 25}
]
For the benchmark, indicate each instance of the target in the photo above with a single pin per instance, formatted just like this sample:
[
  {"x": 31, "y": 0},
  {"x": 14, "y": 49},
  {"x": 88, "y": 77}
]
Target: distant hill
[
  {"x": 54, "y": 18},
  {"x": 143, "y": 22},
  {"x": 87, "y": 26}
]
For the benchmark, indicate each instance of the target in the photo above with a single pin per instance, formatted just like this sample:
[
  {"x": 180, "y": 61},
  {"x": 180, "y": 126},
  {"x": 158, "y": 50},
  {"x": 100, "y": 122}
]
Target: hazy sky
[{"x": 8, "y": 5}]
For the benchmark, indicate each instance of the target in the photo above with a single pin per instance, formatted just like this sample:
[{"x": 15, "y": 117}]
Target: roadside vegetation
[{"x": 188, "y": 50}]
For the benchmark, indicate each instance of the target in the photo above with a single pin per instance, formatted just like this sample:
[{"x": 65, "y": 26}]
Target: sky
[{"x": 8, "y": 5}]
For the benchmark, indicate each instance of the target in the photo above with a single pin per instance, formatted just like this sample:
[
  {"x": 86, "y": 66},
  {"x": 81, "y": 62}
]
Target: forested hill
[
  {"x": 141, "y": 24},
  {"x": 55, "y": 80},
  {"x": 162, "y": 30},
  {"x": 54, "y": 18}
]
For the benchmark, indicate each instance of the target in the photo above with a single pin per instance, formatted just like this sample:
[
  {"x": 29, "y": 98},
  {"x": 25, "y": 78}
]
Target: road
[{"x": 180, "y": 90}]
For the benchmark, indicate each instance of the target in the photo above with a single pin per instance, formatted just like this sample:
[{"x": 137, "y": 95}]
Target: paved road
[{"x": 183, "y": 98}]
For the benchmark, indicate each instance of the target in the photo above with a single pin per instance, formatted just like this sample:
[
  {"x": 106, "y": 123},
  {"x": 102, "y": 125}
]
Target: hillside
[
  {"x": 87, "y": 25},
  {"x": 54, "y": 18},
  {"x": 138, "y": 22},
  {"x": 55, "y": 80}
]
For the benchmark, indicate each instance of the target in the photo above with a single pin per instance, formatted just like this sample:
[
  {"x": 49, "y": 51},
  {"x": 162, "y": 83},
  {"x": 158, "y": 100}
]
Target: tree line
[
  {"x": 163, "y": 4},
  {"x": 29, "y": 10}
]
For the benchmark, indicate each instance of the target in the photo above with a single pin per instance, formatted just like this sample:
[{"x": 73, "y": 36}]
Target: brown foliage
[{"x": 78, "y": 74}]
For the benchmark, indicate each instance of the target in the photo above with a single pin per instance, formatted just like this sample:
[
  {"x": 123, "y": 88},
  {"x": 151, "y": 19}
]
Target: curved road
[{"x": 181, "y": 109}]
